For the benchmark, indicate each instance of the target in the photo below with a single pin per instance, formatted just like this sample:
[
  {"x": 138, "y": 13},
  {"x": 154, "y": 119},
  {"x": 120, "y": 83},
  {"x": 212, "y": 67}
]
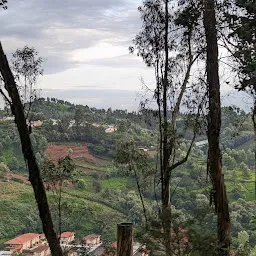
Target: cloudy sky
[{"x": 85, "y": 47}]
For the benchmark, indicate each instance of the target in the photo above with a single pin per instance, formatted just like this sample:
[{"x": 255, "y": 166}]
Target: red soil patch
[
  {"x": 55, "y": 152},
  {"x": 11, "y": 175},
  {"x": 68, "y": 183},
  {"x": 18, "y": 176}
]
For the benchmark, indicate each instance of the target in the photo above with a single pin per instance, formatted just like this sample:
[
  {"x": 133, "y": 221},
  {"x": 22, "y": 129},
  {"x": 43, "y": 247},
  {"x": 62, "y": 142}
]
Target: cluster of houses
[
  {"x": 109, "y": 128},
  {"x": 32, "y": 244},
  {"x": 37, "y": 123}
]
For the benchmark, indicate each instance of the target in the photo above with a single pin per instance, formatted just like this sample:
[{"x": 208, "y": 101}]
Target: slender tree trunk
[
  {"x": 254, "y": 128},
  {"x": 140, "y": 194},
  {"x": 29, "y": 156},
  {"x": 59, "y": 209},
  {"x": 214, "y": 124},
  {"x": 166, "y": 197}
]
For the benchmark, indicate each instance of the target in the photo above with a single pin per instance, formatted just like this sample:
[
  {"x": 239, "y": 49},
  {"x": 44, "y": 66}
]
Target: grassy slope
[
  {"x": 17, "y": 202},
  {"x": 86, "y": 207},
  {"x": 247, "y": 145}
]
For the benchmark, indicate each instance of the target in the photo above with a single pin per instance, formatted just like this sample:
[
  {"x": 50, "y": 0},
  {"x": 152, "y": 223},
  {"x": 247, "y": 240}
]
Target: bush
[
  {"x": 17, "y": 180},
  {"x": 80, "y": 184}
]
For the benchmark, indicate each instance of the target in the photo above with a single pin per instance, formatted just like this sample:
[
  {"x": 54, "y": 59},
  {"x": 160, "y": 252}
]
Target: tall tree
[
  {"x": 166, "y": 43},
  {"x": 28, "y": 153},
  {"x": 214, "y": 125},
  {"x": 55, "y": 176},
  {"x": 27, "y": 67},
  {"x": 137, "y": 164},
  {"x": 241, "y": 43}
]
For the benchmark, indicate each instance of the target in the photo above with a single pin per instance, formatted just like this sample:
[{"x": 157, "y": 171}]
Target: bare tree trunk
[
  {"x": 124, "y": 239},
  {"x": 29, "y": 156},
  {"x": 166, "y": 196},
  {"x": 254, "y": 128},
  {"x": 140, "y": 194},
  {"x": 214, "y": 124},
  {"x": 59, "y": 210}
]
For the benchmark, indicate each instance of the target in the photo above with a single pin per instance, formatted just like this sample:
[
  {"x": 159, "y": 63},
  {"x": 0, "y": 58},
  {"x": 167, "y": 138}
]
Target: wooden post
[{"x": 124, "y": 239}]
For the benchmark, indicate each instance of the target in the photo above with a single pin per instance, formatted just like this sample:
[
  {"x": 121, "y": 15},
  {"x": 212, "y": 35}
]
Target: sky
[{"x": 84, "y": 44}]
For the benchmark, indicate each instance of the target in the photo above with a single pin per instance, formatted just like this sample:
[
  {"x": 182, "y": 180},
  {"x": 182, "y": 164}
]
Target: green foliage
[
  {"x": 110, "y": 193},
  {"x": 3, "y": 170},
  {"x": 116, "y": 183},
  {"x": 27, "y": 67},
  {"x": 242, "y": 30},
  {"x": 80, "y": 184},
  {"x": 58, "y": 174},
  {"x": 97, "y": 185}
]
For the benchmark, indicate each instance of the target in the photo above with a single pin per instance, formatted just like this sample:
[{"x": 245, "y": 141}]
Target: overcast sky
[{"x": 85, "y": 47}]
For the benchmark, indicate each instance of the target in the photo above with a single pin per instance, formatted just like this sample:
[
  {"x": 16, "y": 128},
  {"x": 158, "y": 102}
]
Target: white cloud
[
  {"x": 99, "y": 77},
  {"x": 100, "y": 51}
]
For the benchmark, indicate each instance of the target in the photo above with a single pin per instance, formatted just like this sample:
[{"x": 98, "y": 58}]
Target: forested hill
[
  {"x": 59, "y": 121},
  {"x": 97, "y": 140},
  {"x": 64, "y": 110}
]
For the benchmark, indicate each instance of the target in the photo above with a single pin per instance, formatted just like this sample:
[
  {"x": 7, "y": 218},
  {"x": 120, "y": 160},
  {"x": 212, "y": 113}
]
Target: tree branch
[{"x": 186, "y": 157}]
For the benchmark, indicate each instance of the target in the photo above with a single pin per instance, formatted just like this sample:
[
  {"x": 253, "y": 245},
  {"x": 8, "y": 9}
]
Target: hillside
[
  {"x": 82, "y": 214},
  {"x": 102, "y": 190}
]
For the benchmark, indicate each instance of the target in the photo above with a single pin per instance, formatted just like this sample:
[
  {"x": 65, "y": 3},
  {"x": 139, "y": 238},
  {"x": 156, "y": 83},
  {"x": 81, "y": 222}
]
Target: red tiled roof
[
  {"x": 23, "y": 238},
  {"x": 18, "y": 248},
  {"x": 67, "y": 234}
]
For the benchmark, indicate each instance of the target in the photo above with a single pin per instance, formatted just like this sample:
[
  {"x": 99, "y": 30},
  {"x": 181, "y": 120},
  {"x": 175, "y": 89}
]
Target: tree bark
[
  {"x": 214, "y": 124},
  {"x": 29, "y": 156},
  {"x": 124, "y": 239},
  {"x": 254, "y": 129},
  {"x": 166, "y": 147}
]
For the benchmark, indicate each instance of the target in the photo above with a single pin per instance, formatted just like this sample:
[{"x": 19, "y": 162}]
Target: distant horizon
[{"x": 130, "y": 100}]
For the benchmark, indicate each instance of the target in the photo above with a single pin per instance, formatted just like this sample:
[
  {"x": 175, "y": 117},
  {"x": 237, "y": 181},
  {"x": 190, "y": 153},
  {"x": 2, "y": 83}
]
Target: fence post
[{"x": 124, "y": 239}]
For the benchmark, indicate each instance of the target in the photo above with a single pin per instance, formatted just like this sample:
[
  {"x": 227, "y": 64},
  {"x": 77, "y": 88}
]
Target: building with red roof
[
  {"x": 92, "y": 239},
  {"x": 24, "y": 241},
  {"x": 67, "y": 237}
]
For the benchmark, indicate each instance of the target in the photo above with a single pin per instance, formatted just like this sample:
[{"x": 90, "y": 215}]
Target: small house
[
  {"x": 40, "y": 250},
  {"x": 67, "y": 237},
  {"x": 24, "y": 241},
  {"x": 91, "y": 239}
]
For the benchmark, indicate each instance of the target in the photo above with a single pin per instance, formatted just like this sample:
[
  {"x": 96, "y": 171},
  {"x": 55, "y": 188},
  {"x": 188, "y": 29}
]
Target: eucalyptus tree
[
  {"x": 166, "y": 42},
  {"x": 55, "y": 176},
  {"x": 27, "y": 68},
  {"x": 17, "y": 109},
  {"x": 219, "y": 194},
  {"x": 241, "y": 43},
  {"x": 135, "y": 161}
]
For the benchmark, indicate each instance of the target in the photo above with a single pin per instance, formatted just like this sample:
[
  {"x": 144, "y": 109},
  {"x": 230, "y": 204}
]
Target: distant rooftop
[
  {"x": 67, "y": 234},
  {"x": 22, "y": 238}
]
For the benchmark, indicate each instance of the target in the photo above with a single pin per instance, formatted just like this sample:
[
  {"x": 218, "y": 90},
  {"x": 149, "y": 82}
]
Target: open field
[{"x": 55, "y": 152}]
